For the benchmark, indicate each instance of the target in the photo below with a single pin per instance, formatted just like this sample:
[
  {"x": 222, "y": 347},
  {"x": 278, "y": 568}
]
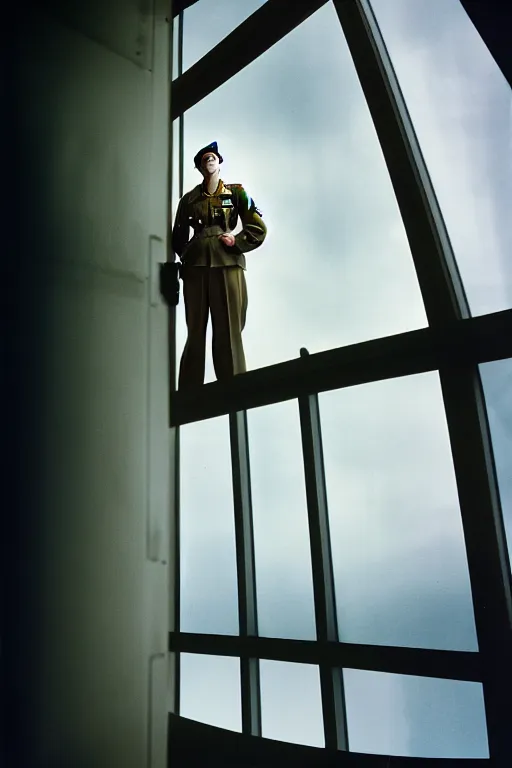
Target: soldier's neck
[{"x": 212, "y": 182}]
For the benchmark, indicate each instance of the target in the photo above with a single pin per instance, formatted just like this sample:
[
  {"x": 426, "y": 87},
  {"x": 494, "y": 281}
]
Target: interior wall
[{"x": 87, "y": 609}]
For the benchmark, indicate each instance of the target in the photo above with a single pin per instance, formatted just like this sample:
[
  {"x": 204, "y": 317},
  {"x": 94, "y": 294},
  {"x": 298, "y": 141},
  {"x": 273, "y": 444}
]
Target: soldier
[{"x": 213, "y": 264}]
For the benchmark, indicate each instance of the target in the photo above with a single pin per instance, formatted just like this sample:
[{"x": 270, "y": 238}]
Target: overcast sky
[{"x": 294, "y": 128}]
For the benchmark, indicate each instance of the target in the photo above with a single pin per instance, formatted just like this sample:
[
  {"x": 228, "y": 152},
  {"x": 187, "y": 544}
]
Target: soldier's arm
[
  {"x": 254, "y": 228},
  {"x": 181, "y": 229}
]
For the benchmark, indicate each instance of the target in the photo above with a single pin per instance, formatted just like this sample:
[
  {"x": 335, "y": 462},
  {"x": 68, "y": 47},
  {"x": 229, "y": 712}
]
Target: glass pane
[
  {"x": 497, "y": 384},
  {"x": 281, "y": 532},
  {"x": 175, "y": 41},
  {"x": 210, "y": 690},
  {"x": 207, "y": 23},
  {"x": 399, "y": 557},
  {"x": 460, "y": 104},
  {"x": 175, "y": 189},
  {"x": 414, "y": 716},
  {"x": 209, "y": 595},
  {"x": 291, "y": 703},
  {"x": 295, "y": 129}
]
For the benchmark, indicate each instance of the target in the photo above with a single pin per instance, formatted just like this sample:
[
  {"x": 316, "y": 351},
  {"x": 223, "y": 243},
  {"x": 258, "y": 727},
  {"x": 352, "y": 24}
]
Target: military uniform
[{"x": 213, "y": 276}]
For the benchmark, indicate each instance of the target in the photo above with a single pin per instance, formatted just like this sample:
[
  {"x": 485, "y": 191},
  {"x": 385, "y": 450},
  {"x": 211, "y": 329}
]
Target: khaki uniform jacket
[{"x": 211, "y": 215}]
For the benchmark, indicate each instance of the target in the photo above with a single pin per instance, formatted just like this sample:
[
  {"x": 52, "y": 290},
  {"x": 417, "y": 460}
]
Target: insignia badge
[{"x": 226, "y": 203}]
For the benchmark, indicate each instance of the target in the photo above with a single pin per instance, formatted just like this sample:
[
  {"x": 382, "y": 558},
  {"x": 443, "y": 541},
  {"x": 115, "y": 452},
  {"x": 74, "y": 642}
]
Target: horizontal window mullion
[
  {"x": 448, "y": 665},
  {"x": 470, "y": 341}
]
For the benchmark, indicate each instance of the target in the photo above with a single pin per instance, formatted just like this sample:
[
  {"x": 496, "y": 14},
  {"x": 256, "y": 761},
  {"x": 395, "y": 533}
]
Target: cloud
[
  {"x": 210, "y": 690},
  {"x": 497, "y": 383},
  {"x": 446, "y": 717},
  {"x": 460, "y": 105},
  {"x": 291, "y": 703},
  {"x": 206, "y": 24}
]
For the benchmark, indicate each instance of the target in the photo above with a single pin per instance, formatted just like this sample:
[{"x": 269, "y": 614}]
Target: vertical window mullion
[
  {"x": 181, "y": 117},
  {"x": 331, "y": 679},
  {"x": 175, "y": 548},
  {"x": 247, "y": 605}
]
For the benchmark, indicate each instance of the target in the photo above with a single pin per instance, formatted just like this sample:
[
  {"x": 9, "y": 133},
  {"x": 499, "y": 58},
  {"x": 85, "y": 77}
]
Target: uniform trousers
[{"x": 221, "y": 292}]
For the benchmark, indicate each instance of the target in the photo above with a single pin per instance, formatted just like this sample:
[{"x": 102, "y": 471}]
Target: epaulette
[{"x": 252, "y": 205}]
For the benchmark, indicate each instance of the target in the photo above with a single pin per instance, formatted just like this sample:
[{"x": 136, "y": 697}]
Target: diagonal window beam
[
  {"x": 178, "y": 6},
  {"x": 257, "y": 34},
  {"x": 472, "y": 341},
  {"x": 438, "y": 275},
  {"x": 446, "y": 665},
  {"x": 493, "y": 20}
]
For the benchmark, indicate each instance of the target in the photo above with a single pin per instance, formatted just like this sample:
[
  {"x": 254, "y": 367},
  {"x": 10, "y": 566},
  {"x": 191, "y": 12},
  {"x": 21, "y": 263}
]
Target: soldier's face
[{"x": 209, "y": 163}]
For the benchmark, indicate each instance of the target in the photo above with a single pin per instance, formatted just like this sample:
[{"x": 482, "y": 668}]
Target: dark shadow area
[
  {"x": 193, "y": 744},
  {"x": 24, "y": 303},
  {"x": 493, "y": 20}
]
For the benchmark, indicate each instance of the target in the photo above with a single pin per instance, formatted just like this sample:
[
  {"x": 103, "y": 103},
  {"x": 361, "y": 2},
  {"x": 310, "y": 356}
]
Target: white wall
[{"x": 94, "y": 132}]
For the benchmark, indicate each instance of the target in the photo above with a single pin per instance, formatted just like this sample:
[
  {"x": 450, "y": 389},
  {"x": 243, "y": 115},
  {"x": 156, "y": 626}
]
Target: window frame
[{"x": 454, "y": 344}]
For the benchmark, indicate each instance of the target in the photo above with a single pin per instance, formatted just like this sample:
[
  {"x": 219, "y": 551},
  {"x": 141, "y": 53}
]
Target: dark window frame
[{"x": 454, "y": 344}]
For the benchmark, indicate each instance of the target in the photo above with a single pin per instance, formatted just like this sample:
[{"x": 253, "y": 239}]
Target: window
[
  {"x": 400, "y": 565},
  {"x": 376, "y": 629},
  {"x": 414, "y": 716},
  {"x": 283, "y": 564},
  {"x": 291, "y": 707},
  {"x": 207, "y": 533},
  {"x": 497, "y": 383},
  {"x": 210, "y": 688}
]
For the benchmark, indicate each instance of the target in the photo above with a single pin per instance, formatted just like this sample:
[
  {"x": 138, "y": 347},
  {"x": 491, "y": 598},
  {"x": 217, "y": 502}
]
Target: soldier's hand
[
  {"x": 169, "y": 282},
  {"x": 227, "y": 238}
]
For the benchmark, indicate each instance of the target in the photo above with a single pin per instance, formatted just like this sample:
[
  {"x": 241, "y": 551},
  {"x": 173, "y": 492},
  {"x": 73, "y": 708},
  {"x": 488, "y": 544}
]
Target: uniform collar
[
  {"x": 221, "y": 189},
  {"x": 199, "y": 192}
]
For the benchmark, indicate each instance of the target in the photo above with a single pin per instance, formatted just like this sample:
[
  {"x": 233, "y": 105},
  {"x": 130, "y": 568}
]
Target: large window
[{"x": 345, "y": 576}]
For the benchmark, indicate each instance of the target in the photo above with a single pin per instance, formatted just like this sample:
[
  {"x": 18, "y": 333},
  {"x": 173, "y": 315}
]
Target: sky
[{"x": 336, "y": 269}]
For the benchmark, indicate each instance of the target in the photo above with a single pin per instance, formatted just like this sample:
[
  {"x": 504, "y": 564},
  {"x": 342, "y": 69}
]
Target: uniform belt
[{"x": 209, "y": 231}]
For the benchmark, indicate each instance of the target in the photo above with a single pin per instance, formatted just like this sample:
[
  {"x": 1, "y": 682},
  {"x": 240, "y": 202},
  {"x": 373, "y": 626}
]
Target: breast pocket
[{"x": 199, "y": 213}]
